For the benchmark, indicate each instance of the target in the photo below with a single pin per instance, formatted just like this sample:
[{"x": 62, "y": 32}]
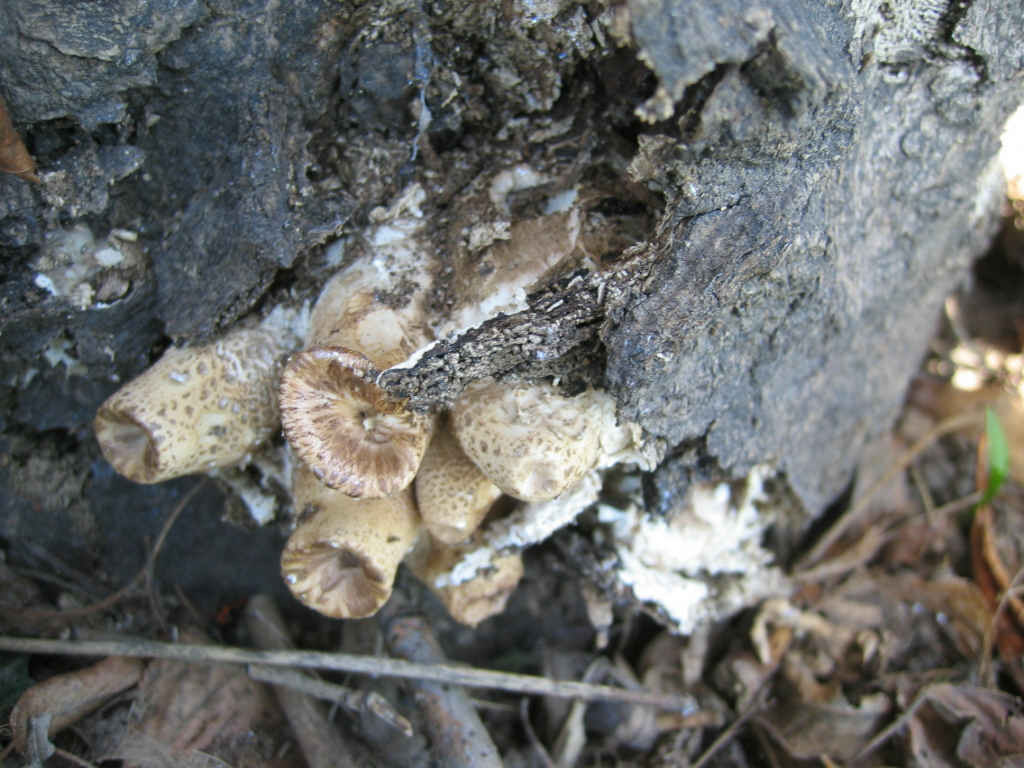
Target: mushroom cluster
[{"x": 375, "y": 483}]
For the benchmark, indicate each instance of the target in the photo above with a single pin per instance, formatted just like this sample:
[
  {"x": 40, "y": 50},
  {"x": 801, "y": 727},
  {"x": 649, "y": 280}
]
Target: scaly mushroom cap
[
  {"x": 342, "y": 560},
  {"x": 352, "y": 434},
  {"x": 476, "y": 599},
  {"x": 529, "y": 440},
  {"x": 195, "y": 409},
  {"x": 452, "y": 494}
]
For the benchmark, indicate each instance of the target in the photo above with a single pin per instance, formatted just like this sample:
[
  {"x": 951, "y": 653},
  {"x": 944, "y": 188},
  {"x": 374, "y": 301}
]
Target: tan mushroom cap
[
  {"x": 530, "y": 441},
  {"x": 352, "y": 434},
  {"x": 452, "y": 494},
  {"x": 195, "y": 409},
  {"x": 349, "y": 314},
  {"x": 341, "y": 561},
  {"x": 478, "y": 598}
]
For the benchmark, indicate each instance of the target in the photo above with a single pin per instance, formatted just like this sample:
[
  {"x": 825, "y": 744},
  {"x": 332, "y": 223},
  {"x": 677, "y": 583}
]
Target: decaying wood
[
  {"x": 322, "y": 744},
  {"x": 70, "y": 697},
  {"x": 562, "y": 318}
]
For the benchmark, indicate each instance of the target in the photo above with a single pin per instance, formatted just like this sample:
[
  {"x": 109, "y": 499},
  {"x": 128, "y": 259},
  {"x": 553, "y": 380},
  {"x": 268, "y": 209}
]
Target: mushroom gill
[
  {"x": 350, "y": 433},
  {"x": 341, "y": 560}
]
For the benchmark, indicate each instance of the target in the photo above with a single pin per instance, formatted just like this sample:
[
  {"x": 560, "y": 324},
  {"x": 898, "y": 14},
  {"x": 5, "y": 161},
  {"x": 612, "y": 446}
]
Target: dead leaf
[
  {"x": 14, "y": 158},
  {"x": 69, "y": 697},
  {"x": 813, "y": 719},
  {"x": 189, "y": 706},
  {"x": 991, "y": 722}
]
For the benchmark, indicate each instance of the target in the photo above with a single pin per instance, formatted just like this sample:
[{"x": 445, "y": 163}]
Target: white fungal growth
[{"x": 668, "y": 561}]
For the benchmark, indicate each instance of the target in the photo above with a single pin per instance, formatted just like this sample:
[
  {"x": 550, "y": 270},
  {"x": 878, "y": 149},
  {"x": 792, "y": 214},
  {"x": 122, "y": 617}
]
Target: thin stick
[
  {"x": 354, "y": 701},
  {"x": 451, "y": 674},
  {"x": 988, "y": 641},
  {"x": 150, "y": 568},
  {"x": 894, "y": 726},
  {"x": 524, "y": 717},
  {"x": 727, "y": 735},
  {"x": 71, "y": 758},
  {"x": 945, "y": 427},
  {"x": 47, "y": 614}
]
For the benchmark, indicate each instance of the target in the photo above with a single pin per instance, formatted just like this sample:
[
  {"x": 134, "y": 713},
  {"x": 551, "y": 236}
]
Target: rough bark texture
[{"x": 806, "y": 182}]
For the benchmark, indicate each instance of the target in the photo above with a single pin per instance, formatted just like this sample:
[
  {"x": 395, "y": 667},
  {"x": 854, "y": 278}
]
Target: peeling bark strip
[
  {"x": 14, "y": 157},
  {"x": 562, "y": 318}
]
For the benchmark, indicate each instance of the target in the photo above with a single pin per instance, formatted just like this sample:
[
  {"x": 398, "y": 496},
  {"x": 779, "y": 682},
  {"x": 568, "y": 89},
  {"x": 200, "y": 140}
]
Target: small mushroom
[
  {"x": 478, "y": 598},
  {"x": 452, "y": 494},
  {"x": 531, "y": 442},
  {"x": 351, "y": 433},
  {"x": 341, "y": 560},
  {"x": 195, "y": 409}
]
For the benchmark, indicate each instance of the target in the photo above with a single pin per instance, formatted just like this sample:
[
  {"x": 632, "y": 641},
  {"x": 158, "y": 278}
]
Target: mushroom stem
[
  {"x": 341, "y": 560},
  {"x": 195, "y": 409}
]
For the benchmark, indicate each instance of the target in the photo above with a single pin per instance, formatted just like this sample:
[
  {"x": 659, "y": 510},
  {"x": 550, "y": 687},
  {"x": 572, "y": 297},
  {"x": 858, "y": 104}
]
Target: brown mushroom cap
[
  {"x": 195, "y": 409},
  {"x": 529, "y": 440},
  {"x": 341, "y": 561},
  {"x": 452, "y": 494},
  {"x": 349, "y": 314},
  {"x": 351, "y": 433}
]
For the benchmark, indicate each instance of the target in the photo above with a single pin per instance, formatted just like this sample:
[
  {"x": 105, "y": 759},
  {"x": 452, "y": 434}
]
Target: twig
[
  {"x": 451, "y": 674},
  {"x": 71, "y": 758},
  {"x": 894, "y": 726},
  {"x": 352, "y": 700},
  {"x": 945, "y": 427},
  {"x": 727, "y": 735},
  {"x": 47, "y": 614},
  {"x": 458, "y": 736},
  {"x": 531, "y": 735},
  {"x": 988, "y": 641},
  {"x": 150, "y": 568}
]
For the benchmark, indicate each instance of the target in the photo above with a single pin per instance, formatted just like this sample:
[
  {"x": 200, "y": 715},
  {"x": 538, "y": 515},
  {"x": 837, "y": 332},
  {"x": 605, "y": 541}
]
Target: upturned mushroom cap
[
  {"x": 452, "y": 494},
  {"x": 476, "y": 599},
  {"x": 341, "y": 561},
  {"x": 352, "y": 434},
  {"x": 529, "y": 440},
  {"x": 350, "y": 314},
  {"x": 195, "y": 409}
]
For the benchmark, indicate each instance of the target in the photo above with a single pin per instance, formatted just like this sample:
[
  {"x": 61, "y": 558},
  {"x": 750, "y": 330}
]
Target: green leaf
[{"x": 998, "y": 456}]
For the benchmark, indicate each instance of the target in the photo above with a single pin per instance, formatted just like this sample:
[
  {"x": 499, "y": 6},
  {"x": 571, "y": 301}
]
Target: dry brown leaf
[
  {"x": 991, "y": 722},
  {"x": 189, "y": 706},
  {"x": 70, "y": 697},
  {"x": 813, "y": 719},
  {"x": 14, "y": 158}
]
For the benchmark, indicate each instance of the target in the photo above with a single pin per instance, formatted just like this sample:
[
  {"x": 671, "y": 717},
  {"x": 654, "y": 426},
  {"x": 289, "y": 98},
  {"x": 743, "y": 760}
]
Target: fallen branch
[{"x": 451, "y": 674}]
